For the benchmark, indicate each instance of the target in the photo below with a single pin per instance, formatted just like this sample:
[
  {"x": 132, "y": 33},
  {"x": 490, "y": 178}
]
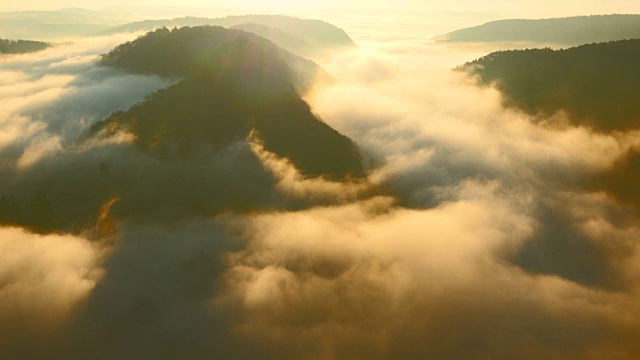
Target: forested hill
[
  {"x": 234, "y": 84},
  {"x": 597, "y": 85},
  {"x": 191, "y": 51},
  {"x": 8, "y": 46},
  {"x": 308, "y": 37},
  {"x": 571, "y": 31}
]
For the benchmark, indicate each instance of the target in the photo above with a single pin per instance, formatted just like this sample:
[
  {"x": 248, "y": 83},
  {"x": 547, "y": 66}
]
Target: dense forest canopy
[
  {"x": 235, "y": 82},
  {"x": 596, "y": 85}
]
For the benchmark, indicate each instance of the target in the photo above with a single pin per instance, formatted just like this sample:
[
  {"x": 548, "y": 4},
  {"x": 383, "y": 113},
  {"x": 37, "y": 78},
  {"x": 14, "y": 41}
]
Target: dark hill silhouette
[
  {"x": 596, "y": 85},
  {"x": 571, "y": 31},
  {"x": 234, "y": 83},
  {"x": 8, "y": 46},
  {"x": 301, "y": 36}
]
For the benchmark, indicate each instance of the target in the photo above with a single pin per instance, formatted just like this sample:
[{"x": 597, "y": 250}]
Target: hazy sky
[{"x": 563, "y": 7}]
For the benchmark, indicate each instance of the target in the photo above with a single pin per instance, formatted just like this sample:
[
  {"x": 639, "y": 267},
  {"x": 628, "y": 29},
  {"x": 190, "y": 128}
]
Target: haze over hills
[
  {"x": 570, "y": 31},
  {"x": 595, "y": 85},
  {"x": 305, "y": 37},
  {"x": 57, "y": 25},
  {"x": 301, "y": 36},
  {"x": 285, "y": 40}
]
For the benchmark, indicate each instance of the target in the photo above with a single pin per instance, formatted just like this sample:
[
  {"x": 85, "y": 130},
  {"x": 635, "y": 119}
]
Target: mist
[
  {"x": 494, "y": 243},
  {"x": 477, "y": 232}
]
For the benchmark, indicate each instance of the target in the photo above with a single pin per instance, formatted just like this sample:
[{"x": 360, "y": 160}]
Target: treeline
[
  {"x": 596, "y": 84},
  {"x": 8, "y": 46}
]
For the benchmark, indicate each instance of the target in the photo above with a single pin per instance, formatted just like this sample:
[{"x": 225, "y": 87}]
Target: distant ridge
[
  {"x": 301, "y": 36},
  {"x": 56, "y": 26},
  {"x": 571, "y": 31}
]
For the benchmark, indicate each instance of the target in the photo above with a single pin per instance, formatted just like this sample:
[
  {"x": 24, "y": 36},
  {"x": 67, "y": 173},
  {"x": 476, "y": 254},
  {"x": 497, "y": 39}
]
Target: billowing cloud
[
  {"x": 50, "y": 98},
  {"x": 508, "y": 249},
  {"x": 43, "y": 281},
  {"x": 373, "y": 281}
]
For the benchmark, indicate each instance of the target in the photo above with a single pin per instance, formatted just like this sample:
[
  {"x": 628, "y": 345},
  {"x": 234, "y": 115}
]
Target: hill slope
[
  {"x": 233, "y": 83},
  {"x": 596, "y": 85},
  {"x": 571, "y": 31}
]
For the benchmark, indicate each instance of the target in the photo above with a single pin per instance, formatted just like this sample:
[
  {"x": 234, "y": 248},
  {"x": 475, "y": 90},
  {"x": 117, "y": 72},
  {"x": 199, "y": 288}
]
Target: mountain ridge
[{"x": 573, "y": 31}]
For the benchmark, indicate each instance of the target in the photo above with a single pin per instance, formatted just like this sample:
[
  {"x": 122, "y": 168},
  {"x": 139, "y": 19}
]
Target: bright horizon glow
[{"x": 528, "y": 8}]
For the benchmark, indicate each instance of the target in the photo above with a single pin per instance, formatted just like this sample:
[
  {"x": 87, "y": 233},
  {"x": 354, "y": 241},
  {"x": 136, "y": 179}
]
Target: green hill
[
  {"x": 570, "y": 31},
  {"x": 596, "y": 85},
  {"x": 233, "y": 83}
]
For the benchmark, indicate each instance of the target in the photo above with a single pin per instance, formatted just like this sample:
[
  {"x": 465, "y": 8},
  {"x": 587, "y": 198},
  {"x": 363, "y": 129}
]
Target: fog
[{"x": 477, "y": 232}]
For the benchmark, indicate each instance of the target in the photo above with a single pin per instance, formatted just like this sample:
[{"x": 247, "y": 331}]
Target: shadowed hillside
[
  {"x": 235, "y": 83},
  {"x": 595, "y": 85},
  {"x": 190, "y": 155},
  {"x": 571, "y": 31}
]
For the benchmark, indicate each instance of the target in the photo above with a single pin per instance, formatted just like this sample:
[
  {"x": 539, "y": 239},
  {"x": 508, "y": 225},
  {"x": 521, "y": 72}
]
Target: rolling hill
[
  {"x": 232, "y": 84},
  {"x": 596, "y": 85},
  {"x": 569, "y": 31}
]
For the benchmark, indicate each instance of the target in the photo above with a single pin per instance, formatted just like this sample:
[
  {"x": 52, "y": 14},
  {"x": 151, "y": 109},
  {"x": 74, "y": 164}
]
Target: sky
[{"x": 543, "y": 7}]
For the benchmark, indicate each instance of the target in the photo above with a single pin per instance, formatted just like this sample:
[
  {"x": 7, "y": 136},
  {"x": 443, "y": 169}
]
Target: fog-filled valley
[{"x": 327, "y": 185}]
